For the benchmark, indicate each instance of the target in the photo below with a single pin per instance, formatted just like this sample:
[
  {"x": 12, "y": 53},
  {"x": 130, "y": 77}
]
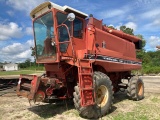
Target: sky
[{"x": 16, "y": 35}]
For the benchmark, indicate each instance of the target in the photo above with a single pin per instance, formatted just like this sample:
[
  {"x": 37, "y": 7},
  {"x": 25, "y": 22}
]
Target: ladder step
[
  {"x": 85, "y": 67},
  {"x": 87, "y": 89},
  {"x": 86, "y": 73}
]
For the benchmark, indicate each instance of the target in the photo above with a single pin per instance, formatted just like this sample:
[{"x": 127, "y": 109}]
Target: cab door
[{"x": 79, "y": 34}]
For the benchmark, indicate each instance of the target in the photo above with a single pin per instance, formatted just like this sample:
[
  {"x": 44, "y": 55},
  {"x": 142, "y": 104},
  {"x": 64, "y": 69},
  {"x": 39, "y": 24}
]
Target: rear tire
[
  {"x": 104, "y": 96},
  {"x": 135, "y": 89}
]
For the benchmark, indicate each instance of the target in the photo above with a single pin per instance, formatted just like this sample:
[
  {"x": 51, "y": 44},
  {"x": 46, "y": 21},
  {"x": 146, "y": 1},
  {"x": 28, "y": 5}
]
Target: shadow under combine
[
  {"x": 51, "y": 109},
  {"x": 120, "y": 96}
]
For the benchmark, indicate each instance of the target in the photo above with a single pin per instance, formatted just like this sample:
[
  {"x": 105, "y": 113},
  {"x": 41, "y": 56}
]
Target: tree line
[{"x": 32, "y": 65}]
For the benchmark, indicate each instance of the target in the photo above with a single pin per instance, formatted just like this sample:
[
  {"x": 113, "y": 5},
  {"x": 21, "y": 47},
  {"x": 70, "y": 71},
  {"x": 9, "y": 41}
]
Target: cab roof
[{"x": 48, "y": 5}]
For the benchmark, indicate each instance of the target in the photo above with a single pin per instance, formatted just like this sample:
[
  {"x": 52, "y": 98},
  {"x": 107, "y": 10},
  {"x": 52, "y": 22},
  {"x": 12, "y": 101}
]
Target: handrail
[
  {"x": 70, "y": 39},
  {"x": 64, "y": 42}
]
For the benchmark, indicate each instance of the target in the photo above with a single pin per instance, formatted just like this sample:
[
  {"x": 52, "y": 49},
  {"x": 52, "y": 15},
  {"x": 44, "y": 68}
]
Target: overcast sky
[{"x": 16, "y": 36}]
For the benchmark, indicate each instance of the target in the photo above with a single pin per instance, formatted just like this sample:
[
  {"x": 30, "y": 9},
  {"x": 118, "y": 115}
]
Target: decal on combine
[{"x": 112, "y": 59}]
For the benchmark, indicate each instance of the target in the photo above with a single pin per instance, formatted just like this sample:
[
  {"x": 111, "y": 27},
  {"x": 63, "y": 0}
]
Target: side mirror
[{"x": 71, "y": 16}]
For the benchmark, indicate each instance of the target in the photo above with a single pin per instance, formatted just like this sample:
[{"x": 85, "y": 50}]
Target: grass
[
  {"x": 146, "y": 109},
  {"x": 34, "y": 68},
  {"x": 73, "y": 112},
  {"x": 140, "y": 112},
  {"x": 2, "y": 73},
  {"x": 155, "y": 99},
  {"x": 130, "y": 116}
]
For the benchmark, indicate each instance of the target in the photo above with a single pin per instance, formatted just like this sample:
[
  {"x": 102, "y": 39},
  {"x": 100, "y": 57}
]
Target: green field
[{"x": 2, "y": 73}]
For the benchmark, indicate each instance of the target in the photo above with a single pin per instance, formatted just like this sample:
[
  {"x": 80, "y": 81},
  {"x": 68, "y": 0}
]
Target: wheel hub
[
  {"x": 40, "y": 96},
  {"x": 102, "y": 96}
]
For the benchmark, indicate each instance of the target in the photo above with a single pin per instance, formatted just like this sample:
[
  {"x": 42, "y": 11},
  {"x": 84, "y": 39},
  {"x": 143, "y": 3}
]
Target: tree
[
  {"x": 33, "y": 51},
  {"x": 112, "y": 27},
  {"x": 155, "y": 57},
  {"x": 127, "y": 30},
  {"x": 143, "y": 40},
  {"x": 141, "y": 54},
  {"x": 28, "y": 62}
]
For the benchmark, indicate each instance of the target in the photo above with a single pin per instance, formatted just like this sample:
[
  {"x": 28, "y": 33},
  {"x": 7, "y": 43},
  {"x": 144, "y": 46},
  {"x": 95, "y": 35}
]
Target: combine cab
[{"x": 83, "y": 60}]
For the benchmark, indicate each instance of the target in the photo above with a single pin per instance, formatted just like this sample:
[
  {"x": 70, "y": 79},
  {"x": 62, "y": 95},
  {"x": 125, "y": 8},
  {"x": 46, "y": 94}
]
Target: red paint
[{"x": 73, "y": 68}]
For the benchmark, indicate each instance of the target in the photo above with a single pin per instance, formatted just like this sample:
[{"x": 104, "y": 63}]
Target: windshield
[{"x": 43, "y": 30}]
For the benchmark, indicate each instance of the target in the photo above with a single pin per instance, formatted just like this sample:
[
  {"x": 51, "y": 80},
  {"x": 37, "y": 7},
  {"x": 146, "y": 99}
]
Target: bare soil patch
[{"x": 18, "y": 108}]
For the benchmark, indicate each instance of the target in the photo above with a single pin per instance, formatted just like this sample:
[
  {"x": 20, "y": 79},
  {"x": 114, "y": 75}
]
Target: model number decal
[{"x": 107, "y": 58}]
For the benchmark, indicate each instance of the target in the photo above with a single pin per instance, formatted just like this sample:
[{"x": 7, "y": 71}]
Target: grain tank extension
[{"x": 83, "y": 60}]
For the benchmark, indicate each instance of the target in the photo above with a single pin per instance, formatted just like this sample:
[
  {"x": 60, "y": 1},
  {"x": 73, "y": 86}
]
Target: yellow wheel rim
[
  {"x": 140, "y": 89},
  {"x": 102, "y": 96}
]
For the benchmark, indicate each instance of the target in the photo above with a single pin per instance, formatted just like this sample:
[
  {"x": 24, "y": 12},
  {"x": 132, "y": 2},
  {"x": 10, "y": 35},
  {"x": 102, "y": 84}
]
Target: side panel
[
  {"x": 115, "y": 54},
  {"x": 115, "y": 43},
  {"x": 54, "y": 70},
  {"x": 116, "y": 62},
  {"x": 117, "y": 67}
]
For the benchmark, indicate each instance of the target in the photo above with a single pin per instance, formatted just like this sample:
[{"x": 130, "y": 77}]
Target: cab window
[{"x": 78, "y": 28}]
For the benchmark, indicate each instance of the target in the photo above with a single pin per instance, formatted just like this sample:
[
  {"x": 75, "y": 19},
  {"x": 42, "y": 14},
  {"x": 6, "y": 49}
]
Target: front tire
[
  {"x": 104, "y": 96},
  {"x": 135, "y": 89}
]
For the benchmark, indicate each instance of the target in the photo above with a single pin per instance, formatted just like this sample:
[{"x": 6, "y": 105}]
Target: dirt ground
[{"x": 18, "y": 108}]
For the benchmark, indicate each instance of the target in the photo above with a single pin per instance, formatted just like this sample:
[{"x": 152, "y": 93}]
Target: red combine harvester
[{"x": 83, "y": 59}]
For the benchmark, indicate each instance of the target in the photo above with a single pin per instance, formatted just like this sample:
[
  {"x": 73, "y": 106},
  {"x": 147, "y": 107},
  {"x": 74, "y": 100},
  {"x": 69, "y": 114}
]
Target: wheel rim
[
  {"x": 102, "y": 96},
  {"x": 140, "y": 89},
  {"x": 40, "y": 96}
]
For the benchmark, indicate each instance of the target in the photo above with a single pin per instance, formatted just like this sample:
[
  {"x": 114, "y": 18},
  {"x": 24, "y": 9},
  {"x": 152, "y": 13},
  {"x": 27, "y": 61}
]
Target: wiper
[{"x": 43, "y": 23}]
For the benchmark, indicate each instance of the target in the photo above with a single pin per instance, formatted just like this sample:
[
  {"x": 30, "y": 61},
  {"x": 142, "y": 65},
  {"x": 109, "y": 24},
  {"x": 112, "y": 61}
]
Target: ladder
[{"x": 86, "y": 87}]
